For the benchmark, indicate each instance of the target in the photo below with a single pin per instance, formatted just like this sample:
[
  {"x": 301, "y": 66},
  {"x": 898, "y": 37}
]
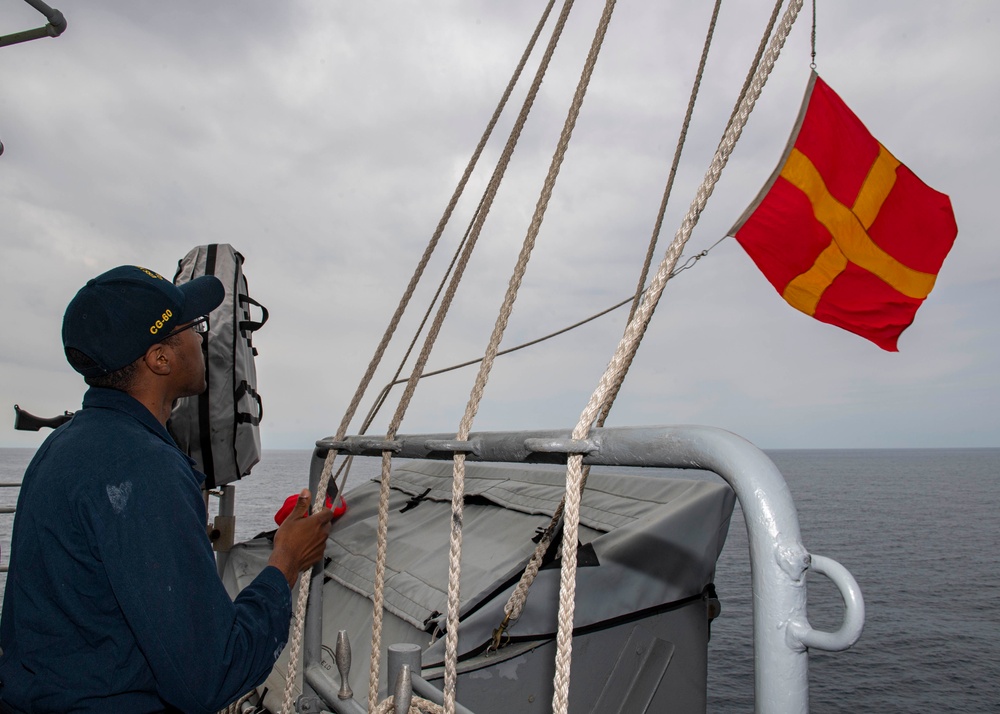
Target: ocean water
[{"x": 918, "y": 529}]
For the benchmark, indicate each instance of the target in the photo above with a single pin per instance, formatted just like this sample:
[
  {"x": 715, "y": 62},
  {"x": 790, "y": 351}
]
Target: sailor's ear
[{"x": 158, "y": 358}]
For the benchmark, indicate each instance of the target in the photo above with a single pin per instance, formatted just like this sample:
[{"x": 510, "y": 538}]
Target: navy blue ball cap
[{"x": 120, "y": 314}]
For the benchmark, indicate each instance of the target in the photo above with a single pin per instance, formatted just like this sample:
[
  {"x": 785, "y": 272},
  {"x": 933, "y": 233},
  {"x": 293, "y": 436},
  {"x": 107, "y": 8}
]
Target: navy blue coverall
[{"x": 113, "y": 601}]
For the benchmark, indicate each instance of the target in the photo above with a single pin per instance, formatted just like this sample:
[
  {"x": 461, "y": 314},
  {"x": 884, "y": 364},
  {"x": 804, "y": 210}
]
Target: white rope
[
  {"x": 681, "y": 140},
  {"x": 235, "y": 707},
  {"x": 418, "y": 705},
  {"x": 620, "y": 378},
  {"x": 627, "y": 347},
  {"x": 575, "y": 472},
  {"x": 483, "y": 205},
  {"x": 435, "y": 328},
  {"x": 475, "y": 398},
  {"x": 516, "y": 601},
  {"x": 306, "y": 578}
]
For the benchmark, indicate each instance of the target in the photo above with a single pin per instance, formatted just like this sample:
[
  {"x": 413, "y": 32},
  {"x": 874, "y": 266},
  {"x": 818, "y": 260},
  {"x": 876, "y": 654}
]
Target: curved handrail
[{"x": 779, "y": 563}]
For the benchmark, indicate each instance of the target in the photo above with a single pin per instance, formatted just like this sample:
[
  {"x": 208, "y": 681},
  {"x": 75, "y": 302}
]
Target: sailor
[{"x": 113, "y": 602}]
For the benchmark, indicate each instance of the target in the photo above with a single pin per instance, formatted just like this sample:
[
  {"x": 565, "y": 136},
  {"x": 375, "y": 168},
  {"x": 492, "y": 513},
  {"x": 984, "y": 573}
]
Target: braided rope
[
  {"x": 454, "y": 583},
  {"x": 475, "y": 398},
  {"x": 534, "y": 227},
  {"x": 418, "y": 705},
  {"x": 492, "y": 189},
  {"x": 482, "y": 203},
  {"x": 306, "y": 578},
  {"x": 628, "y": 345},
  {"x": 516, "y": 601},
  {"x": 620, "y": 378},
  {"x": 234, "y": 708},
  {"x": 378, "y": 595},
  {"x": 681, "y": 140},
  {"x": 775, "y": 12}
]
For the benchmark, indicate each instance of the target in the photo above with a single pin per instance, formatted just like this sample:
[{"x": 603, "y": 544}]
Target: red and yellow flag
[{"x": 843, "y": 230}]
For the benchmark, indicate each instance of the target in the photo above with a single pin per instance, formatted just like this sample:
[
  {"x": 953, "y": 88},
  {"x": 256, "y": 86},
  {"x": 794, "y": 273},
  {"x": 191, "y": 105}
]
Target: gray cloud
[{"x": 323, "y": 140}]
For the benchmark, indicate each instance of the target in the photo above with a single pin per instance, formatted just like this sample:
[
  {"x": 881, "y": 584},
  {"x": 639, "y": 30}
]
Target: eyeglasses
[{"x": 200, "y": 326}]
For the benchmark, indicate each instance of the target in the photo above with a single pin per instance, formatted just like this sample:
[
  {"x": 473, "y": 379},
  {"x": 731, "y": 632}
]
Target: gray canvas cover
[
  {"x": 655, "y": 539},
  {"x": 220, "y": 428}
]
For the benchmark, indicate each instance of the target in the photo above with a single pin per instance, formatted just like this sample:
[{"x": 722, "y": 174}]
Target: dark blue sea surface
[{"x": 918, "y": 529}]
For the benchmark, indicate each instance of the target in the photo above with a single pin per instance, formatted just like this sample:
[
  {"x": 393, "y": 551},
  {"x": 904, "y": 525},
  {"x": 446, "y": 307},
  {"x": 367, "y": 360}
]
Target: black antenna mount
[{"x": 56, "y": 26}]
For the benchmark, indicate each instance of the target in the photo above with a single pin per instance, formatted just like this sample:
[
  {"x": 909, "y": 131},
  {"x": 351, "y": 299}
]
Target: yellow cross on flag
[{"x": 844, "y": 231}]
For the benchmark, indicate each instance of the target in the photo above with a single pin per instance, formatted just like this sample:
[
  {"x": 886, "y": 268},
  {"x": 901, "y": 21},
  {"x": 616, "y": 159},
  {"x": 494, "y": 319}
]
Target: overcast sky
[{"x": 323, "y": 138}]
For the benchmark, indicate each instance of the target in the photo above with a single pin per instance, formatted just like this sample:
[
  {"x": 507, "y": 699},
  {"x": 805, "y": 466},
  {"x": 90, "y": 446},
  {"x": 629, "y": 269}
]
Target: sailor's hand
[{"x": 300, "y": 541}]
